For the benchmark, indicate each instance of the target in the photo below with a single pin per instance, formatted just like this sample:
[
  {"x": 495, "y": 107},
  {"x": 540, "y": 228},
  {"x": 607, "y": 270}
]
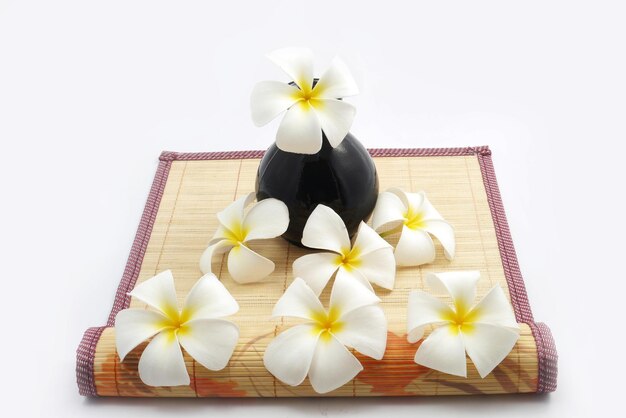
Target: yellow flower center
[
  {"x": 236, "y": 234},
  {"x": 461, "y": 318},
  {"x": 414, "y": 219},
  {"x": 308, "y": 97},
  {"x": 175, "y": 322},
  {"x": 349, "y": 258},
  {"x": 326, "y": 323}
]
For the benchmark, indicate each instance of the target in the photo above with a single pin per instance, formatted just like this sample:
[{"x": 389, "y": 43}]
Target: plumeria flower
[
  {"x": 197, "y": 328},
  {"x": 487, "y": 331},
  {"x": 416, "y": 218},
  {"x": 318, "y": 348},
  {"x": 369, "y": 259},
  {"x": 310, "y": 109},
  {"x": 268, "y": 218}
]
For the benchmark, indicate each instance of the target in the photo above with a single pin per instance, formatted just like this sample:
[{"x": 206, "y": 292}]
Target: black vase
[{"x": 343, "y": 178}]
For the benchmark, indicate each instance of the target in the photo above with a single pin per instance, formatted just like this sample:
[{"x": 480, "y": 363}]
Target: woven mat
[{"x": 179, "y": 220}]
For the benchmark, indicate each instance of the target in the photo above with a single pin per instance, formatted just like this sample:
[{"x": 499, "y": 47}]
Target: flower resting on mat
[
  {"x": 310, "y": 110},
  {"x": 197, "y": 328},
  {"x": 369, "y": 259},
  {"x": 487, "y": 331},
  {"x": 319, "y": 346},
  {"x": 268, "y": 218},
  {"x": 416, "y": 219}
]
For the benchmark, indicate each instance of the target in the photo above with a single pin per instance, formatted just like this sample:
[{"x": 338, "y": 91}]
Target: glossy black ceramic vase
[{"x": 343, "y": 178}]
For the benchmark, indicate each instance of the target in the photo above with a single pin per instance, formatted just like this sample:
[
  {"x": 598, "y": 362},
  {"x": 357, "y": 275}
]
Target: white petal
[
  {"x": 354, "y": 276},
  {"x": 297, "y": 63},
  {"x": 289, "y": 355},
  {"x": 298, "y": 301},
  {"x": 367, "y": 240},
  {"x": 134, "y": 326},
  {"x": 209, "y": 299},
  {"x": 426, "y": 208},
  {"x": 365, "y": 330},
  {"x": 316, "y": 269},
  {"x": 414, "y": 248},
  {"x": 424, "y": 309},
  {"x": 206, "y": 259},
  {"x": 333, "y": 365},
  {"x": 271, "y": 98},
  {"x": 269, "y": 218},
  {"x": 300, "y": 131},
  {"x": 404, "y": 197},
  {"x": 495, "y": 309},
  {"x": 349, "y": 294},
  {"x": 487, "y": 345},
  {"x": 158, "y": 292},
  {"x": 232, "y": 216},
  {"x": 335, "y": 118},
  {"x": 443, "y": 350},
  {"x": 325, "y": 230},
  {"x": 461, "y": 285},
  {"x": 162, "y": 363},
  {"x": 444, "y": 233},
  {"x": 221, "y": 233},
  {"x": 389, "y": 209},
  {"x": 415, "y": 201},
  {"x": 336, "y": 82},
  {"x": 379, "y": 267},
  {"x": 209, "y": 341},
  {"x": 246, "y": 266}
]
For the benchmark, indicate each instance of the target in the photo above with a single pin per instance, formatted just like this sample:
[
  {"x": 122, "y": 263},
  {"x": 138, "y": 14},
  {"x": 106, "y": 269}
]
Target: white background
[{"x": 92, "y": 91}]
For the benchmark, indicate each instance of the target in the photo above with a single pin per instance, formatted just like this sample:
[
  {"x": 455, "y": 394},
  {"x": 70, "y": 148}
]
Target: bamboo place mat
[{"x": 179, "y": 220}]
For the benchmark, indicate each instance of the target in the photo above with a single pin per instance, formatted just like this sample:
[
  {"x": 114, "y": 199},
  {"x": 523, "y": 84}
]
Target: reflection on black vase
[{"x": 343, "y": 178}]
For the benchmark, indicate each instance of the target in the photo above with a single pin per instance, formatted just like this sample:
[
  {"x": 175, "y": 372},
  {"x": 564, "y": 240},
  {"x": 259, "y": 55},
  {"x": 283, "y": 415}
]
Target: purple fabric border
[
  {"x": 86, "y": 351},
  {"x": 548, "y": 358},
  {"x": 84, "y": 361},
  {"x": 133, "y": 265},
  {"x": 374, "y": 152},
  {"x": 519, "y": 298},
  {"x": 546, "y": 349}
]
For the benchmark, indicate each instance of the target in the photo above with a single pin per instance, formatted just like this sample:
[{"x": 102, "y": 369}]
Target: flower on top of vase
[
  {"x": 487, "y": 331},
  {"x": 368, "y": 259},
  {"x": 416, "y": 219},
  {"x": 267, "y": 219},
  {"x": 319, "y": 347},
  {"x": 312, "y": 105},
  {"x": 198, "y": 327}
]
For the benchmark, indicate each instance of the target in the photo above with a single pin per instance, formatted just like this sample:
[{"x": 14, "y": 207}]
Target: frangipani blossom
[
  {"x": 310, "y": 109},
  {"x": 318, "y": 348},
  {"x": 417, "y": 219},
  {"x": 268, "y": 218},
  {"x": 197, "y": 327},
  {"x": 487, "y": 331},
  {"x": 369, "y": 259}
]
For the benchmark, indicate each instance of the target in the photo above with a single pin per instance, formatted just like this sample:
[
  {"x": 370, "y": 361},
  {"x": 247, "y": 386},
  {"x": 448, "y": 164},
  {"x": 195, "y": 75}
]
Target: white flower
[
  {"x": 309, "y": 109},
  {"x": 197, "y": 328},
  {"x": 417, "y": 219},
  {"x": 487, "y": 331},
  {"x": 318, "y": 347},
  {"x": 370, "y": 259},
  {"x": 268, "y": 218}
]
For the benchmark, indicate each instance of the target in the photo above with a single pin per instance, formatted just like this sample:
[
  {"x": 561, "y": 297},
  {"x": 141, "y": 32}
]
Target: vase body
[{"x": 343, "y": 178}]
